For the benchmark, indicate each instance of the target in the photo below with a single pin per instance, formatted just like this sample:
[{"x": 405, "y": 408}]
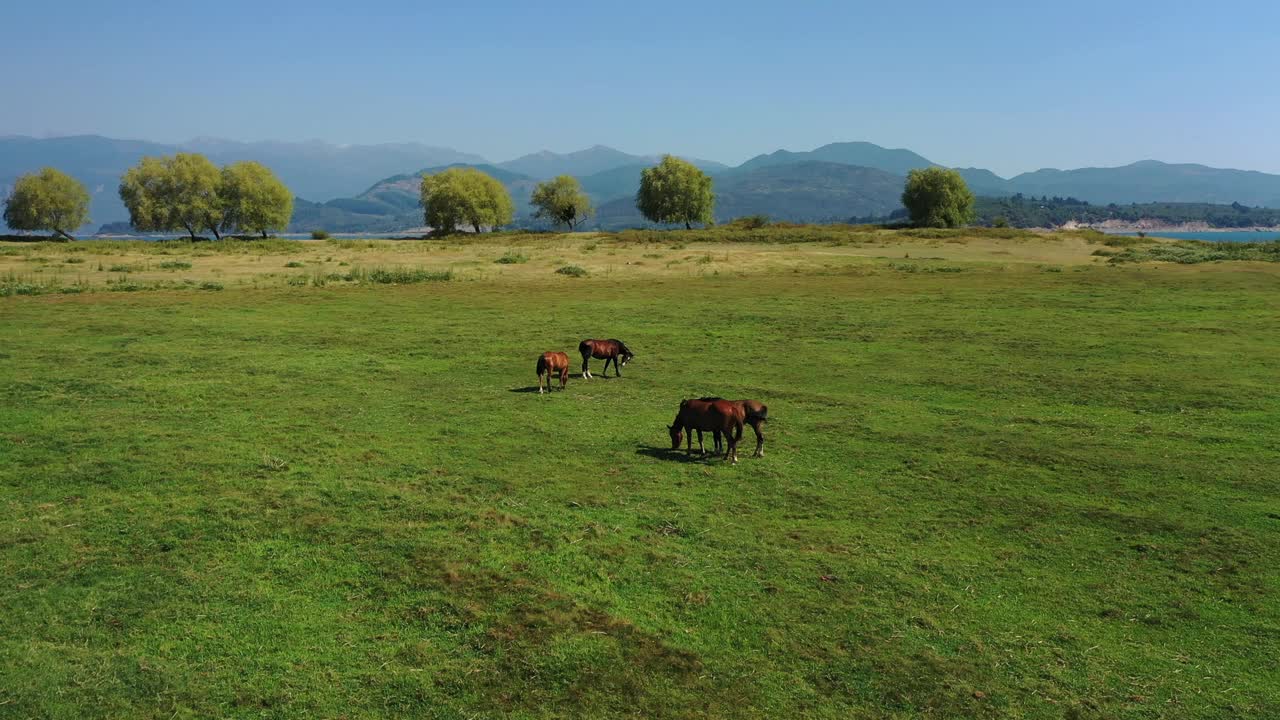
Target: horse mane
[
  {"x": 625, "y": 350},
  {"x": 710, "y": 399}
]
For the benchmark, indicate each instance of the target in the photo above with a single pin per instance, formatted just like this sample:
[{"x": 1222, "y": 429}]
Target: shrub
[
  {"x": 572, "y": 271},
  {"x": 749, "y": 222},
  {"x": 210, "y": 285},
  {"x": 293, "y": 264},
  {"x": 512, "y": 258},
  {"x": 319, "y": 235},
  {"x": 175, "y": 265},
  {"x": 399, "y": 276}
]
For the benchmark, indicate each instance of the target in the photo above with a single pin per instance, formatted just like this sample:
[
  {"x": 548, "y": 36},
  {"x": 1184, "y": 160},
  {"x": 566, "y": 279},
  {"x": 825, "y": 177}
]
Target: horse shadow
[
  {"x": 530, "y": 389},
  {"x": 681, "y": 455}
]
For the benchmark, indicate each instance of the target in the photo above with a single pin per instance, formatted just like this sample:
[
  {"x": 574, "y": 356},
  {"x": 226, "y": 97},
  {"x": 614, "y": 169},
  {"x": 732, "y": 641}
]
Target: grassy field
[
  {"x": 1004, "y": 478},
  {"x": 41, "y": 268}
]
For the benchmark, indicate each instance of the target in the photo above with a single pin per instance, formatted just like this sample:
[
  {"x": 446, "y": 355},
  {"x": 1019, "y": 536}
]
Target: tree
[
  {"x": 459, "y": 196},
  {"x": 47, "y": 200},
  {"x": 675, "y": 191},
  {"x": 562, "y": 201},
  {"x": 174, "y": 193},
  {"x": 938, "y": 197},
  {"x": 254, "y": 199}
]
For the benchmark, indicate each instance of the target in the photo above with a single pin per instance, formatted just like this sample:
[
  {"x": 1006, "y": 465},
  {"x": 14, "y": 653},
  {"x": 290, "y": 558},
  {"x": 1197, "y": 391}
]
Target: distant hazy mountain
[
  {"x": 1153, "y": 181},
  {"x": 320, "y": 171},
  {"x": 593, "y": 160},
  {"x": 620, "y": 182},
  {"x": 796, "y": 192},
  {"x": 364, "y": 188},
  {"x": 312, "y": 170},
  {"x": 863, "y": 154},
  {"x": 393, "y": 203}
]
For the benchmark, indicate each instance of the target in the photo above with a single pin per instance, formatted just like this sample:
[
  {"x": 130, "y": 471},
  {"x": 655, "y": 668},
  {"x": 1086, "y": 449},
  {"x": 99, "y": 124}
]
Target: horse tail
[{"x": 542, "y": 366}]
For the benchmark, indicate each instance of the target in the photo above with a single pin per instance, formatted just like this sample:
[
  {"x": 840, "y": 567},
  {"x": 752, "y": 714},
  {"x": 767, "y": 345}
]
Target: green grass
[{"x": 992, "y": 493}]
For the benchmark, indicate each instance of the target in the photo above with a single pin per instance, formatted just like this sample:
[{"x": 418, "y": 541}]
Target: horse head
[{"x": 677, "y": 435}]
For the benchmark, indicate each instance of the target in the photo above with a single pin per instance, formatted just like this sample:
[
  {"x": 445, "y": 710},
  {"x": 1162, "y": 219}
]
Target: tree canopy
[
  {"x": 188, "y": 192},
  {"x": 938, "y": 197},
  {"x": 181, "y": 192},
  {"x": 562, "y": 201},
  {"x": 676, "y": 191},
  {"x": 47, "y": 200},
  {"x": 465, "y": 196},
  {"x": 253, "y": 198}
]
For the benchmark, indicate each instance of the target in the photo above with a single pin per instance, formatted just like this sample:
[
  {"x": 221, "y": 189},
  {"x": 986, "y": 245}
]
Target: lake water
[{"x": 1219, "y": 236}]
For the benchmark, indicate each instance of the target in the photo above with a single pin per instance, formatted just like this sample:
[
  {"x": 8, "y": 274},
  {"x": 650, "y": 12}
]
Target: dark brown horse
[
  {"x": 606, "y": 350},
  {"x": 756, "y": 413},
  {"x": 718, "y": 416},
  {"x": 552, "y": 364}
]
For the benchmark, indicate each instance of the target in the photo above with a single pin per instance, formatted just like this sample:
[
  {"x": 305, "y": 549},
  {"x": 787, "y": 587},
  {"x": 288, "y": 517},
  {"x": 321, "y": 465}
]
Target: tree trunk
[
  {"x": 190, "y": 230},
  {"x": 477, "y": 227},
  {"x": 64, "y": 234},
  {"x": 688, "y": 225},
  {"x": 264, "y": 234}
]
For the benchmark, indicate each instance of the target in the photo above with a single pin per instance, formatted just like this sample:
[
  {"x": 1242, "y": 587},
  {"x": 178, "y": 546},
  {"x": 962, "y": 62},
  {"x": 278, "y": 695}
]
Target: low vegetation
[{"x": 1190, "y": 252}]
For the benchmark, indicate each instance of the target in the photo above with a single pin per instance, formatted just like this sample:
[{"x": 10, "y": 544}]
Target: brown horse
[
  {"x": 718, "y": 416},
  {"x": 552, "y": 364},
  {"x": 606, "y": 350},
  {"x": 756, "y": 414}
]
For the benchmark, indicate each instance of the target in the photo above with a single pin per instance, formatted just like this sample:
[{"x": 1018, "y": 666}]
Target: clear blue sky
[{"x": 1012, "y": 86}]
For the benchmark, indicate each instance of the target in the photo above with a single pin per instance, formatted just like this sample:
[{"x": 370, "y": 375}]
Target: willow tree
[
  {"x": 47, "y": 200},
  {"x": 562, "y": 201},
  {"x": 938, "y": 197},
  {"x": 465, "y": 196},
  {"x": 676, "y": 191},
  {"x": 182, "y": 192},
  {"x": 254, "y": 199}
]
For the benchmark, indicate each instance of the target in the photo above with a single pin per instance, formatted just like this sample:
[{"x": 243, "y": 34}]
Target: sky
[{"x": 1010, "y": 86}]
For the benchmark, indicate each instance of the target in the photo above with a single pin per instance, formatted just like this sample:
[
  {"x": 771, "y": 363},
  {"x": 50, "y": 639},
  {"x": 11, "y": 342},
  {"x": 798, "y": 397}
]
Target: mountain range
[{"x": 374, "y": 188}]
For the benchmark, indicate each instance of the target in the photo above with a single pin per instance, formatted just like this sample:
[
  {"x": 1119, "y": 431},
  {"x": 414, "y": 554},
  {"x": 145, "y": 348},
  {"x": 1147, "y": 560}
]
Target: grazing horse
[
  {"x": 718, "y": 416},
  {"x": 604, "y": 350},
  {"x": 552, "y": 364},
  {"x": 756, "y": 414}
]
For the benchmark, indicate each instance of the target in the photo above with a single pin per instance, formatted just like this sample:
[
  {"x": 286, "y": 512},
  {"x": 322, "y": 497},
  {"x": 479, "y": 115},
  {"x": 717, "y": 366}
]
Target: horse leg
[
  {"x": 539, "y": 383},
  {"x": 616, "y": 367},
  {"x": 564, "y": 377},
  {"x": 605, "y": 372},
  {"x": 688, "y": 440},
  {"x": 585, "y": 372},
  {"x": 716, "y": 435},
  {"x": 701, "y": 450},
  {"x": 757, "y": 426},
  {"x": 732, "y": 438}
]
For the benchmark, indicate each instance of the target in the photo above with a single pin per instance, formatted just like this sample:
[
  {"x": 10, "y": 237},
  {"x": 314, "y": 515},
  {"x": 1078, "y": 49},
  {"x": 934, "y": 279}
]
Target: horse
[
  {"x": 718, "y": 416},
  {"x": 756, "y": 414},
  {"x": 604, "y": 350},
  {"x": 551, "y": 364}
]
